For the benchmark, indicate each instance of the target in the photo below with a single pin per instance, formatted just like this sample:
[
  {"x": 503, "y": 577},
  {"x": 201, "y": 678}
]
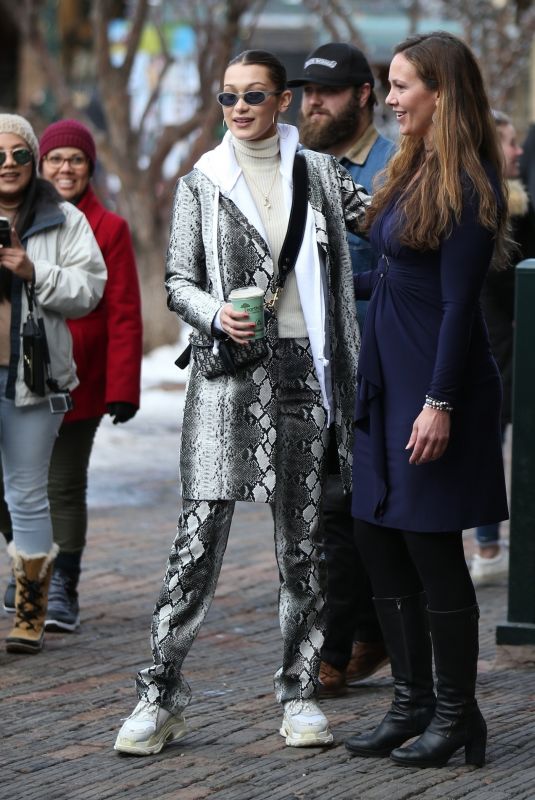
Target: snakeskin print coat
[{"x": 229, "y": 427}]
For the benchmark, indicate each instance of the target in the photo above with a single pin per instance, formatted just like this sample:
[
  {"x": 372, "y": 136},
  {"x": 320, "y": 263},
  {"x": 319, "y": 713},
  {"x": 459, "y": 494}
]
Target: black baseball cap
[{"x": 336, "y": 64}]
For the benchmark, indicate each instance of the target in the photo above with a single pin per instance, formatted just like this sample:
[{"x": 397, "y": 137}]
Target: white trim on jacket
[{"x": 221, "y": 168}]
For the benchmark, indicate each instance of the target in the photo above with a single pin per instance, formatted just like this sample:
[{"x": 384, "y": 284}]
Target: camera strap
[{"x": 33, "y": 317}]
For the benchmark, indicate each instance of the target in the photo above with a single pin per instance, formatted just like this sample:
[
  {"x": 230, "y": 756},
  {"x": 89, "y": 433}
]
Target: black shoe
[
  {"x": 9, "y": 595},
  {"x": 63, "y": 614},
  {"x": 406, "y": 637},
  {"x": 458, "y": 722}
]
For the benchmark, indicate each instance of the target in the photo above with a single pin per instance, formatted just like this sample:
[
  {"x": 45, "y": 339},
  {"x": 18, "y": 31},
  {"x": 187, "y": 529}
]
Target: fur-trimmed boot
[{"x": 32, "y": 576}]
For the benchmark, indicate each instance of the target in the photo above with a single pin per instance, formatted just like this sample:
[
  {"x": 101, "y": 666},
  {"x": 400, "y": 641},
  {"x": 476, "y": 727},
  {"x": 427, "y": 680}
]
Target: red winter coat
[{"x": 108, "y": 341}]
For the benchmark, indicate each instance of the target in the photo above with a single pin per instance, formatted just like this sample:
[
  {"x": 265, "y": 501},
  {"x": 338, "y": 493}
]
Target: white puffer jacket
[{"x": 70, "y": 276}]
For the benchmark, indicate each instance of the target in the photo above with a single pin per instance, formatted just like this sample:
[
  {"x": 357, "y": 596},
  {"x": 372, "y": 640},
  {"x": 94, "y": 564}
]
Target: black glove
[{"x": 121, "y": 412}]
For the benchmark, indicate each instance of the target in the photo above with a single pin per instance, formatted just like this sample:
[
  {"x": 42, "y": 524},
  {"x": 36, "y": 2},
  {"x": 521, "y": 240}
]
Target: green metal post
[{"x": 520, "y": 626}]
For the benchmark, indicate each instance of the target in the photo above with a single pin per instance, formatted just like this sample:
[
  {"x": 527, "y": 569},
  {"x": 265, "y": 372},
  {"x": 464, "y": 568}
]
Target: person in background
[
  {"x": 491, "y": 559},
  {"x": 52, "y": 266},
  {"x": 107, "y": 346},
  {"x": 427, "y": 458},
  {"x": 336, "y": 117}
]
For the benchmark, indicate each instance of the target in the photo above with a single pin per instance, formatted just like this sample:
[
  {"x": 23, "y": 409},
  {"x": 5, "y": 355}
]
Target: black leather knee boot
[
  {"x": 404, "y": 625},
  {"x": 457, "y": 721}
]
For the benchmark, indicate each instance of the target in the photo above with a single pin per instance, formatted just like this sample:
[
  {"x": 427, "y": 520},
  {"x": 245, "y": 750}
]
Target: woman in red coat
[{"x": 107, "y": 351}]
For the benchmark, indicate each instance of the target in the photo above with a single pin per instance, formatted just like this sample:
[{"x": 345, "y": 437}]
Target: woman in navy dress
[{"x": 427, "y": 453}]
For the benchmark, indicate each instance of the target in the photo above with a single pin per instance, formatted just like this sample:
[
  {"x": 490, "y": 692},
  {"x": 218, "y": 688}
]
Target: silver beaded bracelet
[{"x": 438, "y": 405}]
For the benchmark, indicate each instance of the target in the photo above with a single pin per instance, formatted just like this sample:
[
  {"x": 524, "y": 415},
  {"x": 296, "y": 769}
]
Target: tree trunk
[
  {"x": 160, "y": 326},
  {"x": 149, "y": 234}
]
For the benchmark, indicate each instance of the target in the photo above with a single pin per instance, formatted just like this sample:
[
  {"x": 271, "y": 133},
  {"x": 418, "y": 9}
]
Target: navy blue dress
[{"x": 425, "y": 334}]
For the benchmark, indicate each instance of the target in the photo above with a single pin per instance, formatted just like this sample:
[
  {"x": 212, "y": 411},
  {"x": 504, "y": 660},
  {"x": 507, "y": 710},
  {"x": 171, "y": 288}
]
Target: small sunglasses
[
  {"x": 229, "y": 99},
  {"x": 21, "y": 157}
]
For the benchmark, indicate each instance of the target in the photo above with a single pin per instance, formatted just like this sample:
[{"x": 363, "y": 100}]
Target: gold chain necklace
[{"x": 265, "y": 195}]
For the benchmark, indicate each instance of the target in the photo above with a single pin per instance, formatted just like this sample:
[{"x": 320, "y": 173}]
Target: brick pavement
[{"x": 61, "y": 709}]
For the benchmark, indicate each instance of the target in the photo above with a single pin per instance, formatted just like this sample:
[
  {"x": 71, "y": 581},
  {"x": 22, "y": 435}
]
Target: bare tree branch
[
  {"x": 26, "y": 18},
  {"x": 342, "y": 14},
  {"x": 134, "y": 37},
  {"x": 102, "y": 43},
  {"x": 155, "y": 94},
  {"x": 338, "y": 20},
  {"x": 501, "y": 38},
  {"x": 318, "y": 7}
]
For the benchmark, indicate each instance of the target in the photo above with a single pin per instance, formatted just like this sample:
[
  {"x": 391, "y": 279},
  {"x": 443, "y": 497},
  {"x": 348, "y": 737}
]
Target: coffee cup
[{"x": 251, "y": 300}]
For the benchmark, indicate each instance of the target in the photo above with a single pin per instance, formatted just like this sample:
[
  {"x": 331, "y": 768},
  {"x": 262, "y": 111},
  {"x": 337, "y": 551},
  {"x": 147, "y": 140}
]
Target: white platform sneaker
[
  {"x": 486, "y": 571},
  {"x": 149, "y": 728},
  {"x": 304, "y": 725}
]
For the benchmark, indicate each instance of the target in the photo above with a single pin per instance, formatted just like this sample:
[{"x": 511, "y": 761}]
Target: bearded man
[{"x": 336, "y": 117}]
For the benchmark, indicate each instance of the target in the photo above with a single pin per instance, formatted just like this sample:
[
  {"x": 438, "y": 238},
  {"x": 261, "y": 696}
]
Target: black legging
[{"x": 402, "y": 563}]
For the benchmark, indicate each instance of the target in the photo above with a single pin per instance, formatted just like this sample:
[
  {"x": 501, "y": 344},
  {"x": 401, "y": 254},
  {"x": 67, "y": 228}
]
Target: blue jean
[
  {"x": 27, "y": 436},
  {"x": 488, "y": 534}
]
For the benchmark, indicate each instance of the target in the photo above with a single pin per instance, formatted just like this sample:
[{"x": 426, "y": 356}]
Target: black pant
[
  {"x": 402, "y": 563},
  {"x": 350, "y": 610}
]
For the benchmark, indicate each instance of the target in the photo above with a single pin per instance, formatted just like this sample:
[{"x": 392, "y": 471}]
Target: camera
[
  {"x": 5, "y": 232},
  {"x": 60, "y": 403}
]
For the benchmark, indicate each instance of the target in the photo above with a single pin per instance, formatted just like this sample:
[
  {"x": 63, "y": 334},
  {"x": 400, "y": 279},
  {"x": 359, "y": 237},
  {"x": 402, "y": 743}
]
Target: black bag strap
[
  {"x": 296, "y": 226},
  {"x": 30, "y": 293}
]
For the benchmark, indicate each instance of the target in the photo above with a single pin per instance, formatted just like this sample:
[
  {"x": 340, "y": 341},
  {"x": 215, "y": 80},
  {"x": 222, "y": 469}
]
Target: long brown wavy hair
[{"x": 429, "y": 187}]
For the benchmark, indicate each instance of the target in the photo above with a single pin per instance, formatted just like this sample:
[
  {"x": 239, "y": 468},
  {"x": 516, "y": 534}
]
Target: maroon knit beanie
[{"x": 68, "y": 133}]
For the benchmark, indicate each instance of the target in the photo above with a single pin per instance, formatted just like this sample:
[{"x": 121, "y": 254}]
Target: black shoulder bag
[
  {"x": 232, "y": 356},
  {"x": 36, "y": 358}
]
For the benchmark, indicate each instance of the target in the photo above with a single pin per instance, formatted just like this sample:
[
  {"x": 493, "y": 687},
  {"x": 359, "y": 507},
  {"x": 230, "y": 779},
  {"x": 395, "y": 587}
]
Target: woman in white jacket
[
  {"x": 262, "y": 435},
  {"x": 49, "y": 257}
]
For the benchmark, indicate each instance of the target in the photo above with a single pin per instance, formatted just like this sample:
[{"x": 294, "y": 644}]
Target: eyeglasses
[
  {"x": 74, "y": 162},
  {"x": 229, "y": 99},
  {"x": 20, "y": 156}
]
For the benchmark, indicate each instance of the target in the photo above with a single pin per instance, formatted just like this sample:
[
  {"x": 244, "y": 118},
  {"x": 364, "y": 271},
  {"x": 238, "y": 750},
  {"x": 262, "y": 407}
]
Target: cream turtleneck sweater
[{"x": 260, "y": 164}]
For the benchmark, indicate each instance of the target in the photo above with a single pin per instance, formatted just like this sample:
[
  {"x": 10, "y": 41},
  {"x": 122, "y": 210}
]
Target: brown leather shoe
[
  {"x": 331, "y": 682},
  {"x": 366, "y": 658}
]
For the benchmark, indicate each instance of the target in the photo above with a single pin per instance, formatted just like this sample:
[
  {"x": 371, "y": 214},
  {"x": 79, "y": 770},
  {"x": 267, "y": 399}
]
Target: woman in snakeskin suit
[{"x": 262, "y": 435}]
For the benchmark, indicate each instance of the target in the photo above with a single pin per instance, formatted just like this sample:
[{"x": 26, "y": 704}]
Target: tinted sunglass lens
[
  {"x": 227, "y": 98},
  {"x": 22, "y": 157},
  {"x": 254, "y": 98}
]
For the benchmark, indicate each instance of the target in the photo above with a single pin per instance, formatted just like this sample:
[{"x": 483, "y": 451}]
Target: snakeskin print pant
[{"x": 203, "y": 527}]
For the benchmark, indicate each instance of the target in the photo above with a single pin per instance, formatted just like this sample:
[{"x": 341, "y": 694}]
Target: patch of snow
[{"x": 130, "y": 461}]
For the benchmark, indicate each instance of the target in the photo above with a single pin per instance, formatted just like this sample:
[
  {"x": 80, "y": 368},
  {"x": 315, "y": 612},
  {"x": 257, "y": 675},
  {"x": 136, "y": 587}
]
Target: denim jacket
[{"x": 362, "y": 255}]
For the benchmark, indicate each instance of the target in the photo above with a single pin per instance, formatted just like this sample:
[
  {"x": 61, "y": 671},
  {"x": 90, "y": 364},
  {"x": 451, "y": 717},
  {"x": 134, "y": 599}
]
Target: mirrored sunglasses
[
  {"x": 20, "y": 157},
  {"x": 229, "y": 99}
]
